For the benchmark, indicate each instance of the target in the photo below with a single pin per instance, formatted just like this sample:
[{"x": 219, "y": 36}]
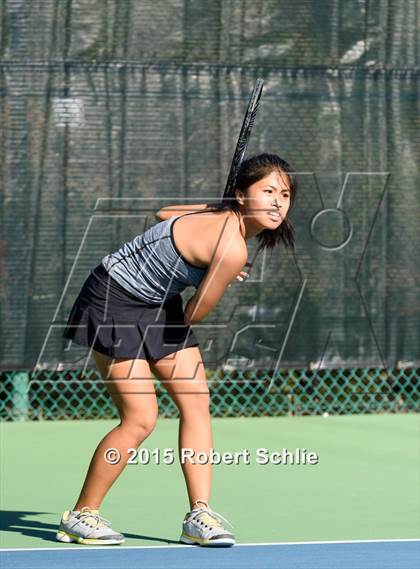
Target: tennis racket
[
  {"x": 242, "y": 143},
  {"x": 243, "y": 137}
]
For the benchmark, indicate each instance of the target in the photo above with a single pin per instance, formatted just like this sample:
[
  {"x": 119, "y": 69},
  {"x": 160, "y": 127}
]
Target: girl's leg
[
  {"x": 130, "y": 385},
  {"x": 183, "y": 375}
]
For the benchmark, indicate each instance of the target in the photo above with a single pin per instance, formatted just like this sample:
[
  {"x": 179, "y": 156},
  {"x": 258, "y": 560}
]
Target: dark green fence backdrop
[{"x": 110, "y": 110}]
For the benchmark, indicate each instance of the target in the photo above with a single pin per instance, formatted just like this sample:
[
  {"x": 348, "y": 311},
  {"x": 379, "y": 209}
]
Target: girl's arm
[
  {"x": 227, "y": 261},
  {"x": 171, "y": 210}
]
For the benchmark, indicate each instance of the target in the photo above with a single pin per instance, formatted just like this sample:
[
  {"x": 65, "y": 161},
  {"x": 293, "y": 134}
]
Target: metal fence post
[{"x": 20, "y": 396}]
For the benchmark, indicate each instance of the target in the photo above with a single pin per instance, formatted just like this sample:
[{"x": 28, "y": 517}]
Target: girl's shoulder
[
  {"x": 226, "y": 231},
  {"x": 226, "y": 220},
  {"x": 200, "y": 234}
]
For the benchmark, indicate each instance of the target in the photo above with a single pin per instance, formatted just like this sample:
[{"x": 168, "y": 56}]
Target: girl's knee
[
  {"x": 139, "y": 427},
  {"x": 194, "y": 404}
]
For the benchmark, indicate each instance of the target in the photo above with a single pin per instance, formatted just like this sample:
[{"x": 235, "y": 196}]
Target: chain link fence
[
  {"x": 69, "y": 395},
  {"x": 138, "y": 104}
]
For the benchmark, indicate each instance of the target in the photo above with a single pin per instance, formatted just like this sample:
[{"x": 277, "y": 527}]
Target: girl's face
[{"x": 266, "y": 202}]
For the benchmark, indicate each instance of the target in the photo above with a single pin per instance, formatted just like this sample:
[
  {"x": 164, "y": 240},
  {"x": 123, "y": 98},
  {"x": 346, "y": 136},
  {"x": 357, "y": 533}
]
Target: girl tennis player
[{"x": 129, "y": 311}]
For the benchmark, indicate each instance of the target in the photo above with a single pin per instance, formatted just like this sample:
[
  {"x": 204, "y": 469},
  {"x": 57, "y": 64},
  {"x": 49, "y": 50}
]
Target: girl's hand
[{"x": 242, "y": 276}]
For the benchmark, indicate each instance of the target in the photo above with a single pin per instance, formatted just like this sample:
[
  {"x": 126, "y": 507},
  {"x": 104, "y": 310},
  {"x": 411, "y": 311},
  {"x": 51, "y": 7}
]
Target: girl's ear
[{"x": 240, "y": 197}]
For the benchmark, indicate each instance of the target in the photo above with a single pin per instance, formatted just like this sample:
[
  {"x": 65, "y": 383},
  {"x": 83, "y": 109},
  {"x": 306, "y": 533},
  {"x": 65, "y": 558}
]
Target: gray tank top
[{"x": 151, "y": 267}]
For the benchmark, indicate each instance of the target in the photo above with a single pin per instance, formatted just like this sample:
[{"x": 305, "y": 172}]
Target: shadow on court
[{"x": 18, "y": 522}]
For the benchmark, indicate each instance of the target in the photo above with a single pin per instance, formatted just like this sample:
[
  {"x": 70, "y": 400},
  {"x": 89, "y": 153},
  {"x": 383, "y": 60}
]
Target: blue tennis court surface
[{"x": 391, "y": 554}]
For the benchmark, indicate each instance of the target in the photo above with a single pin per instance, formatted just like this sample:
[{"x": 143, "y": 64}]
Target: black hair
[{"x": 252, "y": 170}]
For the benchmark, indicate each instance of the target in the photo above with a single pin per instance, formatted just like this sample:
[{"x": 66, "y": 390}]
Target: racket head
[{"x": 244, "y": 135}]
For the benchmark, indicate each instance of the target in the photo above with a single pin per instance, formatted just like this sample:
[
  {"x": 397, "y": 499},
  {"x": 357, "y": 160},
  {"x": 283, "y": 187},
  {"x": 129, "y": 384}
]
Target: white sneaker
[
  {"x": 87, "y": 527},
  {"x": 204, "y": 527}
]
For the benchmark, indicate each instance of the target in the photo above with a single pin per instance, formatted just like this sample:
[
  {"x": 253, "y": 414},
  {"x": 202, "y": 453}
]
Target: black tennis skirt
[{"x": 112, "y": 321}]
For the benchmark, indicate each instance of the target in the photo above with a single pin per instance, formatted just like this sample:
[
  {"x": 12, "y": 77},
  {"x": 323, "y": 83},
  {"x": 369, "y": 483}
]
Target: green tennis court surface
[{"x": 365, "y": 485}]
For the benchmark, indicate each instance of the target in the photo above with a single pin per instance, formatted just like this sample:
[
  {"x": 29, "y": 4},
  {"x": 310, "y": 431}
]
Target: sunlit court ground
[{"x": 365, "y": 485}]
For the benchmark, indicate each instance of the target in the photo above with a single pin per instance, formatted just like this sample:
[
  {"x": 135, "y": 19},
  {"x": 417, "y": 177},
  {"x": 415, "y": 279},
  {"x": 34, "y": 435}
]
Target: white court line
[{"x": 78, "y": 546}]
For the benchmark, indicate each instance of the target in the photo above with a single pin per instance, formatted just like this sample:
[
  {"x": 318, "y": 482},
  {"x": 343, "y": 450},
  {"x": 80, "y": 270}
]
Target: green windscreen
[{"x": 110, "y": 110}]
